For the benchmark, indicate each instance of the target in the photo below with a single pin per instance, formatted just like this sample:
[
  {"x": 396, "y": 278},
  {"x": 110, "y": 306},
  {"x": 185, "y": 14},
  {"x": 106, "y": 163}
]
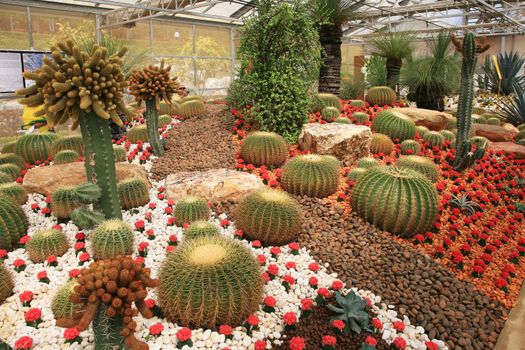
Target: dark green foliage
[
  {"x": 45, "y": 243},
  {"x": 510, "y": 66},
  {"x": 201, "y": 228},
  {"x": 351, "y": 309},
  {"x": 514, "y": 108},
  {"x": 381, "y": 144},
  {"x": 264, "y": 148},
  {"x": 12, "y": 158},
  {"x": 84, "y": 218},
  {"x": 380, "y": 95},
  {"x": 133, "y": 193},
  {"x": 69, "y": 143},
  {"x": 410, "y": 147},
  {"x": 395, "y": 125},
  {"x": 13, "y": 224},
  {"x": 190, "y": 209},
  {"x": 66, "y": 156},
  {"x": 6, "y": 283},
  {"x": 35, "y": 147},
  {"x": 464, "y": 204}
]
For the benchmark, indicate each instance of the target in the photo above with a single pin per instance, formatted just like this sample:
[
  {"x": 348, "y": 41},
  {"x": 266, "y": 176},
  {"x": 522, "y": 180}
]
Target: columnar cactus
[
  {"x": 367, "y": 162},
  {"x": 6, "y": 284},
  {"x": 119, "y": 153},
  {"x": 329, "y": 113},
  {"x": 434, "y": 138},
  {"x": 201, "y": 228},
  {"x": 190, "y": 209},
  {"x": 361, "y": 117},
  {"x": 164, "y": 120},
  {"x": 106, "y": 292},
  {"x": 45, "y": 243},
  {"x": 264, "y": 148},
  {"x": 270, "y": 216},
  {"x": 14, "y": 191},
  {"x": 380, "y": 95},
  {"x": 153, "y": 84},
  {"x": 311, "y": 175},
  {"x": 210, "y": 281},
  {"x": 66, "y": 156},
  {"x": 410, "y": 147},
  {"x": 87, "y": 88},
  {"x": 415, "y": 198},
  {"x": 381, "y": 144},
  {"x": 138, "y": 133},
  {"x": 61, "y": 305},
  {"x": 35, "y": 147},
  {"x": 112, "y": 238},
  {"x": 13, "y": 224},
  {"x": 69, "y": 143},
  {"x": 133, "y": 192},
  {"x": 68, "y": 198},
  {"x": 10, "y": 169},
  {"x": 357, "y": 103},
  {"x": 469, "y": 50},
  {"x": 356, "y": 173},
  {"x": 12, "y": 158},
  {"x": 422, "y": 164},
  {"x": 191, "y": 108},
  {"x": 395, "y": 125}
]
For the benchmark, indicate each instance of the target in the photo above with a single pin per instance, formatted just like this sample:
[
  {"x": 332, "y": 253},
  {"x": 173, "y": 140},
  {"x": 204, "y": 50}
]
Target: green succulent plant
[
  {"x": 85, "y": 218},
  {"x": 381, "y": 144},
  {"x": 342, "y": 120},
  {"x": 478, "y": 110},
  {"x": 61, "y": 305},
  {"x": 434, "y": 138},
  {"x": 395, "y": 125},
  {"x": 190, "y": 209},
  {"x": 357, "y": 103},
  {"x": 264, "y": 148},
  {"x": 35, "y": 147},
  {"x": 164, "y": 120},
  {"x": 12, "y": 158},
  {"x": 410, "y": 147},
  {"x": 356, "y": 173},
  {"x": 13, "y": 224},
  {"x": 448, "y": 135},
  {"x": 478, "y": 119},
  {"x": 112, "y": 238},
  {"x": 201, "y": 228},
  {"x": 422, "y": 164},
  {"x": 422, "y": 130},
  {"x": 361, "y": 117},
  {"x": 452, "y": 124},
  {"x": 380, "y": 95},
  {"x": 138, "y": 133},
  {"x": 45, "y": 243},
  {"x": 119, "y": 153},
  {"x": 481, "y": 143},
  {"x": 330, "y": 113},
  {"x": 68, "y": 198},
  {"x": 5, "y": 178},
  {"x": 465, "y": 204},
  {"x": 68, "y": 143},
  {"x": 6, "y": 284},
  {"x": 133, "y": 193},
  {"x": 9, "y": 147},
  {"x": 66, "y": 156},
  {"x": 493, "y": 121},
  {"x": 10, "y": 169},
  {"x": 351, "y": 309},
  {"x": 191, "y": 108},
  {"x": 327, "y": 100},
  {"x": 367, "y": 162},
  {"x": 14, "y": 191}
]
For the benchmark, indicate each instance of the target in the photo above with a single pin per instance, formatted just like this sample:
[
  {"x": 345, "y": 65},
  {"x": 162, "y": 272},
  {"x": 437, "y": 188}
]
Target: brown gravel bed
[{"x": 198, "y": 144}]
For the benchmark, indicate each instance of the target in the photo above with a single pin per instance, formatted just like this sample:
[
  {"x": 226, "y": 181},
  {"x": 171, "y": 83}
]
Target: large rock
[
  {"x": 434, "y": 120},
  {"x": 346, "y": 142},
  {"x": 46, "y": 180},
  {"x": 215, "y": 185},
  {"x": 494, "y": 133},
  {"x": 508, "y": 147},
  {"x": 511, "y": 127}
]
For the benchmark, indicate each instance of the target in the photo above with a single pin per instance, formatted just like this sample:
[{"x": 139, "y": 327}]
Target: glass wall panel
[
  {"x": 212, "y": 41},
  {"x": 14, "y": 28},
  {"x": 183, "y": 69},
  {"x": 136, "y": 38},
  {"x": 172, "y": 38},
  {"x": 213, "y": 73}
]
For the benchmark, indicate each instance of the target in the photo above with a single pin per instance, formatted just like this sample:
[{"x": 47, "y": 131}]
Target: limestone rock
[
  {"x": 434, "y": 120},
  {"x": 215, "y": 185},
  {"x": 508, "y": 147},
  {"x": 494, "y": 133},
  {"x": 346, "y": 142},
  {"x": 511, "y": 127},
  {"x": 45, "y": 180}
]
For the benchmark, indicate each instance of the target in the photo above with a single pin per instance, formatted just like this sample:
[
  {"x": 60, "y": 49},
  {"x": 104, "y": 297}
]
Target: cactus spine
[
  {"x": 6, "y": 284},
  {"x": 138, "y": 133},
  {"x": 112, "y": 238},
  {"x": 367, "y": 162},
  {"x": 361, "y": 117},
  {"x": 133, "y": 193},
  {"x": 190, "y": 209},
  {"x": 120, "y": 153},
  {"x": 10, "y": 169},
  {"x": 201, "y": 228},
  {"x": 164, "y": 120},
  {"x": 45, "y": 243},
  {"x": 434, "y": 138},
  {"x": 35, "y": 147},
  {"x": 13, "y": 224},
  {"x": 66, "y": 156},
  {"x": 329, "y": 113},
  {"x": 357, "y": 103},
  {"x": 356, "y": 173}
]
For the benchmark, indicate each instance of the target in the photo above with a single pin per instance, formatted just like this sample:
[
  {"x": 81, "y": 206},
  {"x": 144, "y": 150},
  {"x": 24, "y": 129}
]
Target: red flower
[
  {"x": 256, "y": 244},
  {"x": 224, "y": 222},
  {"x": 225, "y": 329},
  {"x": 260, "y": 345},
  {"x": 323, "y": 292},
  {"x": 273, "y": 269},
  {"x": 253, "y": 320},
  {"x": 297, "y": 343},
  {"x": 289, "y": 279},
  {"x": 294, "y": 246},
  {"x": 338, "y": 324},
  {"x": 168, "y": 210},
  {"x": 140, "y": 224},
  {"x": 329, "y": 340},
  {"x": 501, "y": 283},
  {"x": 312, "y": 281},
  {"x": 26, "y": 296},
  {"x": 143, "y": 246},
  {"x": 24, "y": 343},
  {"x": 337, "y": 285},
  {"x": 313, "y": 267},
  {"x": 19, "y": 263},
  {"x": 41, "y": 275},
  {"x": 79, "y": 246},
  {"x": 84, "y": 257},
  {"x": 51, "y": 259},
  {"x": 71, "y": 333},
  {"x": 306, "y": 304},
  {"x": 24, "y": 239},
  {"x": 183, "y": 334},
  {"x": 3, "y": 253},
  {"x": 431, "y": 345},
  {"x": 270, "y": 301},
  {"x": 74, "y": 273},
  {"x": 290, "y": 318},
  {"x": 157, "y": 328},
  {"x": 400, "y": 343},
  {"x": 399, "y": 326},
  {"x": 261, "y": 259},
  {"x": 33, "y": 315},
  {"x": 150, "y": 303},
  {"x": 275, "y": 250},
  {"x": 290, "y": 265},
  {"x": 370, "y": 341}
]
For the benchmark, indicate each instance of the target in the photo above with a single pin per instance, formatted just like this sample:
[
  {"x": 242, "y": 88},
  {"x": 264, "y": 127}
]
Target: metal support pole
[
  {"x": 194, "y": 58},
  {"x": 150, "y": 28},
  {"x": 232, "y": 56},
  {"x": 30, "y": 27},
  {"x": 98, "y": 32},
  {"x": 503, "y": 44}
]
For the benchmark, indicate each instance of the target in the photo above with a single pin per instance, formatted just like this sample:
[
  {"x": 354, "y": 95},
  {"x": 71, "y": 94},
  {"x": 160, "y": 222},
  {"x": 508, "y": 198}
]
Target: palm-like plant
[
  {"x": 395, "y": 47},
  {"x": 375, "y": 71},
  {"x": 430, "y": 78},
  {"x": 514, "y": 108},
  {"x": 510, "y": 67},
  {"x": 335, "y": 13}
]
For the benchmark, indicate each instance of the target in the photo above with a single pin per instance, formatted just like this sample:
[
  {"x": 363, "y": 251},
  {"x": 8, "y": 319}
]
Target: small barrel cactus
[
  {"x": 311, "y": 175},
  {"x": 329, "y": 113},
  {"x": 66, "y": 156},
  {"x": 12, "y": 158},
  {"x": 434, "y": 138},
  {"x": 357, "y": 103},
  {"x": 395, "y": 125},
  {"x": 9, "y": 147},
  {"x": 5, "y": 178},
  {"x": 478, "y": 110},
  {"x": 190, "y": 209},
  {"x": 361, "y": 117},
  {"x": 448, "y": 135},
  {"x": 120, "y": 153},
  {"x": 61, "y": 304},
  {"x": 191, "y": 108},
  {"x": 112, "y": 238},
  {"x": 270, "y": 216},
  {"x": 68, "y": 198},
  {"x": 381, "y": 144},
  {"x": 367, "y": 162},
  {"x": 13, "y": 224},
  {"x": 356, "y": 173},
  {"x": 68, "y": 143},
  {"x": 415, "y": 198},
  {"x": 478, "y": 119},
  {"x": 264, "y": 148},
  {"x": 422, "y": 164},
  {"x": 342, "y": 120},
  {"x": 10, "y": 169},
  {"x": 14, "y": 191},
  {"x": 421, "y": 130},
  {"x": 133, "y": 193},
  {"x": 6, "y": 284},
  {"x": 201, "y": 228},
  {"x": 480, "y": 142},
  {"x": 164, "y": 120},
  {"x": 380, "y": 95},
  {"x": 45, "y": 243},
  {"x": 329, "y": 100},
  {"x": 210, "y": 281},
  {"x": 35, "y": 147},
  {"x": 493, "y": 121},
  {"x": 165, "y": 109},
  {"x": 138, "y": 133},
  {"x": 452, "y": 124},
  {"x": 410, "y": 147},
  {"x": 520, "y": 135}
]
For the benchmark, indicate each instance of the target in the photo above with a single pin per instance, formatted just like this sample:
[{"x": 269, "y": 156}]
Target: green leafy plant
[
  {"x": 375, "y": 67},
  {"x": 514, "y": 108},
  {"x": 464, "y": 203},
  {"x": 85, "y": 218},
  {"x": 45, "y": 243},
  {"x": 351, "y": 309}
]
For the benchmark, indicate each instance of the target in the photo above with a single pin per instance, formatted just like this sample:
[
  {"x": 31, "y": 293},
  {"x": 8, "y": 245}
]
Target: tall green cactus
[
  {"x": 152, "y": 118},
  {"x": 465, "y": 156}
]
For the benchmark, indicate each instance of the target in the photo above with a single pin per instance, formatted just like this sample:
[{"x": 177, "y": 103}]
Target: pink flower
[
  {"x": 183, "y": 334},
  {"x": 290, "y": 265},
  {"x": 71, "y": 333},
  {"x": 297, "y": 343},
  {"x": 156, "y": 329},
  {"x": 79, "y": 246}
]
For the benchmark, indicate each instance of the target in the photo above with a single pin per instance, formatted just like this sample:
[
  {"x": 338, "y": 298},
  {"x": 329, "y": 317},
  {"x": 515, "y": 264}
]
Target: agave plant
[
  {"x": 464, "y": 204},
  {"x": 514, "y": 108},
  {"x": 509, "y": 68},
  {"x": 351, "y": 309}
]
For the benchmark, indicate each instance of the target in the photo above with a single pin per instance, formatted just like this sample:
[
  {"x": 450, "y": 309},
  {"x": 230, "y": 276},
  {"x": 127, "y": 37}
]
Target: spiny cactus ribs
[
  {"x": 264, "y": 148},
  {"x": 112, "y": 285},
  {"x": 153, "y": 82},
  {"x": 13, "y": 224},
  {"x": 395, "y": 125},
  {"x": 6, "y": 283},
  {"x": 380, "y": 95}
]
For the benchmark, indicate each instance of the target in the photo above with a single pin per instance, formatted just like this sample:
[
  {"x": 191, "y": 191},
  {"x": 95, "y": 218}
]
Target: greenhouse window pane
[
  {"x": 212, "y": 41},
  {"x": 213, "y": 73},
  {"x": 13, "y": 28},
  {"x": 136, "y": 38},
  {"x": 182, "y": 68},
  {"x": 172, "y": 38}
]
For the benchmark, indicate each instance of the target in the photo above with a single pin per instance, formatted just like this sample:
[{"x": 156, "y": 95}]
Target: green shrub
[
  {"x": 434, "y": 138},
  {"x": 35, "y": 147},
  {"x": 112, "y": 238},
  {"x": 356, "y": 173},
  {"x": 61, "y": 305},
  {"x": 133, "y": 193},
  {"x": 422, "y": 130},
  {"x": 416, "y": 200},
  {"x": 14, "y": 191},
  {"x": 381, "y": 144},
  {"x": 68, "y": 198},
  {"x": 329, "y": 113},
  {"x": 68, "y": 143},
  {"x": 367, "y": 162},
  {"x": 395, "y": 125},
  {"x": 210, "y": 281},
  {"x": 380, "y": 95},
  {"x": 357, "y": 103},
  {"x": 10, "y": 169},
  {"x": 422, "y": 164},
  {"x": 66, "y": 156},
  {"x": 361, "y": 117},
  {"x": 120, "y": 153},
  {"x": 138, "y": 133},
  {"x": 13, "y": 224},
  {"x": 264, "y": 148},
  {"x": 311, "y": 175},
  {"x": 45, "y": 243},
  {"x": 164, "y": 120},
  {"x": 201, "y": 228},
  {"x": 6, "y": 284},
  {"x": 270, "y": 216},
  {"x": 190, "y": 209},
  {"x": 12, "y": 158},
  {"x": 410, "y": 147}
]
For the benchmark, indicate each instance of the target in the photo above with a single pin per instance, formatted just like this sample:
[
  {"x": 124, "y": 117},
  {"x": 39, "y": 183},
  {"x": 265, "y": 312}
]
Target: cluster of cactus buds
[
  {"x": 153, "y": 82},
  {"x": 72, "y": 81},
  {"x": 114, "y": 284}
]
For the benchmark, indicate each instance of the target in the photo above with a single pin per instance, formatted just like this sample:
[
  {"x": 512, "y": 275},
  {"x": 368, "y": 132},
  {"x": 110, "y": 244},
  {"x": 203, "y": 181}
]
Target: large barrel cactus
[
  {"x": 323, "y": 100},
  {"x": 367, "y": 162},
  {"x": 381, "y": 143},
  {"x": 399, "y": 200},
  {"x": 133, "y": 192},
  {"x": 9, "y": 147},
  {"x": 13, "y": 224},
  {"x": 68, "y": 143},
  {"x": 357, "y": 103},
  {"x": 112, "y": 238},
  {"x": 270, "y": 216},
  {"x": 45, "y": 243},
  {"x": 210, "y": 281},
  {"x": 361, "y": 117},
  {"x": 380, "y": 95},
  {"x": 35, "y": 147},
  {"x": 6, "y": 284},
  {"x": 201, "y": 228},
  {"x": 264, "y": 148},
  {"x": 12, "y": 158},
  {"x": 138, "y": 133},
  {"x": 434, "y": 138},
  {"x": 10, "y": 169},
  {"x": 66, "y": 156},
  {"x": 190, "y": 209},
  {"x": 330, "y": 113},
  {"x": 422, "y": 164},
  {"x": 311, "y": 175},
  {"x": 395, "y": 125},
  {"x": 14, "y": 191},
  {"x": 410, "y": 147},
  {"x": 422, "y": 130},
  {"x": 191, "y": 108}
]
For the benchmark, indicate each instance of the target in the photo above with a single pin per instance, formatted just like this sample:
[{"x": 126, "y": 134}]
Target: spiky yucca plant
[
  {"x": 190, "y": 209},
  {"x": 61, "y": 305},
  {"x": 356, "y": 173},
  {"x": 270, "y": 216},
  {"x": 6, "y": 284},
  {"x": 380, "y": 95},
  {"x": 395, "y": 125},
  {"x": 434, "y": 138},
  {"x": 381, "y": 144},
  {"x": 422, "y": 164},
  {"x": 13, "y": 224},
  {"x": 14, "y": 191},
  {"x": 210, "y": 281},
  {"x": 69, "y": 143},
  {"x": 410, "y": 147},
  {"x": 12, "y": 158},
  {"x": 66, "y": 156},
  {"x": 264, "y": 148},
  {"x": 357, "y": 103},
  {"x": 35, "y": 147},
  {"x": 45, "y": 243},
  {"x": 201, "y": 228},
  {"x": 112, "y": 238},
  {"x": 138, "y": 133},
  {"x": 68, "y": 198},
  {"x": 367, "y": 162},
  {"x": 415, "y": 197},
  {"x": 361, "y": 117},
  {"x": 311, "y": 175},
  {"x": 119, "y": 153},
  {"x": 133, "y": 192},
  {"x": 10, "y": 169}
]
